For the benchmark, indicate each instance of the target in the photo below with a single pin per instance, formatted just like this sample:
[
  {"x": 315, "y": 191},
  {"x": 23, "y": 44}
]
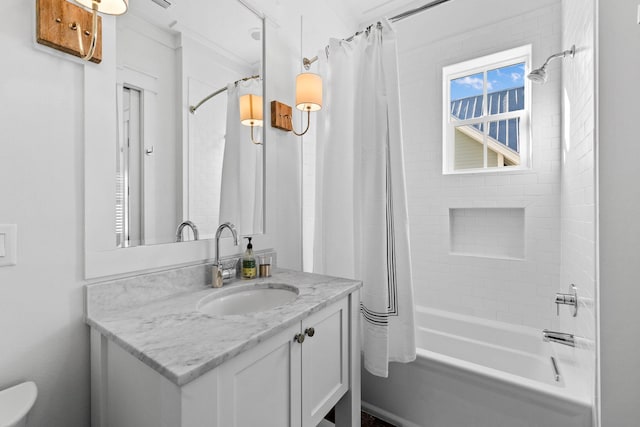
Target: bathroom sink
[{"x": 245, "y": 300}]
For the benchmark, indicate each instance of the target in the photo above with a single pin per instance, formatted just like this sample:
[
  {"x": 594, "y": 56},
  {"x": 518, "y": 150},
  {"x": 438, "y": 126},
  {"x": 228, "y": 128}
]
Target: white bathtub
[{"x": 471, "y": 372}]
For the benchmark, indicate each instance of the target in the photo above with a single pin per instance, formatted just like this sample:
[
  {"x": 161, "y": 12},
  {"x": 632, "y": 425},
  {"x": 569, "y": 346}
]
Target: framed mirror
[{"x": 165, "y": 144}]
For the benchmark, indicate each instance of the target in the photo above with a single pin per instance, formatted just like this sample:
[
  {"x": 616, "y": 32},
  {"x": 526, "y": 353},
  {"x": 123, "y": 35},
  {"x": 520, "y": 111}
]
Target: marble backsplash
[{"x": 146, "y": 287}]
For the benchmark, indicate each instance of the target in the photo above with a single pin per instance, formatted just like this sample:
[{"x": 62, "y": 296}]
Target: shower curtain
[
  {"x": 361, "y": 222},
  {"x": 241, "y": 188}
]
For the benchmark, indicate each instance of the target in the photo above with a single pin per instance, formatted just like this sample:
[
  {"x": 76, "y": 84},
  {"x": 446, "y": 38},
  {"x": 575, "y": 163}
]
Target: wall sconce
[
  {"x": 108, "y": 7},
  {"x": 58, "y": 20},
  {"x": 308, "y": 98},
  {"x": 251, "y": 112}
]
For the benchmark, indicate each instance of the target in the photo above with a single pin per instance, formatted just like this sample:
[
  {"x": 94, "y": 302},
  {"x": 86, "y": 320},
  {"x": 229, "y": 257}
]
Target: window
[{"x": 486, "y": 113}]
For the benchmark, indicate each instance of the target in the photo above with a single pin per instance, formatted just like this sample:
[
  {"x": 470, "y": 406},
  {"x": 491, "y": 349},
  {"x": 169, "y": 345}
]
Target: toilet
[{"x": 15, "y": 404}]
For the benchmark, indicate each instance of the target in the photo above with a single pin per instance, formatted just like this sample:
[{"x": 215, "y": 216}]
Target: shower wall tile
[
  {"x": 514, "y": 291},
  {"x": 578, "y": 181}
]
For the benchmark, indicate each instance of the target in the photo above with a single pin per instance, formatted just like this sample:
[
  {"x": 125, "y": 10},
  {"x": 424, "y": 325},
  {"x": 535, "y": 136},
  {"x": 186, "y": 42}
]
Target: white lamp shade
[
  {"x": 251, "y": 110},
  {"x": 308, "y": 92},
  {"x": 109, "y": 7}
]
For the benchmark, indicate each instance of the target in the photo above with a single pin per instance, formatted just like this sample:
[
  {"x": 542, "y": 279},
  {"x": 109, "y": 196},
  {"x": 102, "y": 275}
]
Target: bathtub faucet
[
  {"x": 559, "y": 337},
  {"x": 570, "y": 299}
]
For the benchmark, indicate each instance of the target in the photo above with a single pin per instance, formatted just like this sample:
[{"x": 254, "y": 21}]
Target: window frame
[{"x": 483, "y": 65}]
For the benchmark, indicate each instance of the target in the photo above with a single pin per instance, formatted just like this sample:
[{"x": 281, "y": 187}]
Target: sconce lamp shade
[
  {"x": 308, "y": 92},
  {"x": 251, "y": 110},
  {"x": 109, "y": 7}
]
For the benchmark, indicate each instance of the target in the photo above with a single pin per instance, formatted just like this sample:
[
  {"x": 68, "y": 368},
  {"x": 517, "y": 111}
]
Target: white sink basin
[{"x": 245, "y": 300}]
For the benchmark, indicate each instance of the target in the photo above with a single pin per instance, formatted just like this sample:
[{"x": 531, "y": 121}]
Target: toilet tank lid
[{"x": 16, "y": 402}]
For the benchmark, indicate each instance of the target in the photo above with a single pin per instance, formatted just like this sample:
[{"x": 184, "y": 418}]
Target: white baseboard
[{"x": 387, "y": 416}]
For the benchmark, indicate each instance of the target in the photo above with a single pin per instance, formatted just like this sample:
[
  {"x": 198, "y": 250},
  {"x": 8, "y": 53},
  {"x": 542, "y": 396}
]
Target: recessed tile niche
[{"x": 487, "y": 232}]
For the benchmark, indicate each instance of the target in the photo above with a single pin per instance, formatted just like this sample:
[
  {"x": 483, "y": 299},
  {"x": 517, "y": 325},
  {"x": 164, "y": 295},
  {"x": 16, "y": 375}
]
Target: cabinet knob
[
  {"x": 299, "y": 338},
  {"x": 310, "y": 331}
]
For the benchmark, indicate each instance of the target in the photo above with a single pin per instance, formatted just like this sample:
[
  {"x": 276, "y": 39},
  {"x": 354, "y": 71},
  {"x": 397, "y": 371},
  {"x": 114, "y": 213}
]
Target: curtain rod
[
  {"x": 408, "y": 13},
  {"x": 193, "y": 108},
  {"x": 403, "y": 15},
  {"x": 399, "y": 17}
]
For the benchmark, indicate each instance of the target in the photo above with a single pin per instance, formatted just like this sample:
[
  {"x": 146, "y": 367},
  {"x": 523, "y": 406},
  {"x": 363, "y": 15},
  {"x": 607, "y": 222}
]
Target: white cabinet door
[
  {"x": 287, "y": 383},
  {"x": 261, "y": 387},
  {"x": 325, "y": 353}
]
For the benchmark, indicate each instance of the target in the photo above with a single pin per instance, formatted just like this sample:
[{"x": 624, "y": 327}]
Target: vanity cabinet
[{"x": 291, "y": 379}]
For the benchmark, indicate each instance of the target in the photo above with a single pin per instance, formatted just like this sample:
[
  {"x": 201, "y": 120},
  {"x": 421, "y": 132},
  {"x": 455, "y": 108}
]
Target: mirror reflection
[{"x": 185, "y": 161}]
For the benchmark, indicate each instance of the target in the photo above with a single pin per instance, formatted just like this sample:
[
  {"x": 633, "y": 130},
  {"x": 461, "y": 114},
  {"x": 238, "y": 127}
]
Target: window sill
[
  {"x": 497, "y": 171},
  {"x": 486, "y": 256}
]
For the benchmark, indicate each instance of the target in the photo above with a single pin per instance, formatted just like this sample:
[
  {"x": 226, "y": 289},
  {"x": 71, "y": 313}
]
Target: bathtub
[{"x": 471, "y": 372}]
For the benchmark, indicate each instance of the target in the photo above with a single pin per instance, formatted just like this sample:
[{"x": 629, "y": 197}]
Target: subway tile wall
[
  {"x": 509, "y": 290},
  {"x": 577, "y": 206}
]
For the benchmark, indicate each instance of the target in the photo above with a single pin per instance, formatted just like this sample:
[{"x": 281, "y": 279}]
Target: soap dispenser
[{"x": 249, "y": 270}]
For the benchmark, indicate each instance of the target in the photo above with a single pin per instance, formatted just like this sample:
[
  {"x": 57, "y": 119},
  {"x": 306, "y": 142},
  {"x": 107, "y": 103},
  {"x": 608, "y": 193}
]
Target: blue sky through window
[{"x": 497, "y": 79}]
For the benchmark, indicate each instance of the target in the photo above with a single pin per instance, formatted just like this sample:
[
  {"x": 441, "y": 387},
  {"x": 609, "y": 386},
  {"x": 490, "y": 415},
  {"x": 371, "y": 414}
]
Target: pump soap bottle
[{"x": 248, "y": 262}]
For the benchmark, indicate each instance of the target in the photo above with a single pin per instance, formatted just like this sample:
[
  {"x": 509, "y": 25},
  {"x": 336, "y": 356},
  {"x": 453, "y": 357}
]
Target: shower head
[{"x": 539, "y": 75}]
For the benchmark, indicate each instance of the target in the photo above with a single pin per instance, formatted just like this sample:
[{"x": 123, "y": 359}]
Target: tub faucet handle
[
  {"x": 559, "y": 337},
  {"x": 570, "y": 298}
]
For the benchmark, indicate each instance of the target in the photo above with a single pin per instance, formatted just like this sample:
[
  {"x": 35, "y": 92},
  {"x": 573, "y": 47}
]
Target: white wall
[
  {"x": 41, "y": 299},
  {"x": 619, "y": 210},
  {"x": 283, "y": 152},
  {"x": 577, "y": 192},
  {"x": 297, "y": 29},
  {"x": 514, "y": 291}
]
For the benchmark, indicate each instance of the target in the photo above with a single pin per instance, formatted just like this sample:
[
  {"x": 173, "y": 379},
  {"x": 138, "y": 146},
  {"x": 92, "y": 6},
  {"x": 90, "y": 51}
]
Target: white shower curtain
[
  {"x": 361, "y": 224},
  {"x": 241, "y": 193}
]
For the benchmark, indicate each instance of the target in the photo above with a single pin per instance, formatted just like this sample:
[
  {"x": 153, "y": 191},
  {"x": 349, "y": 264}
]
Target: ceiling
[
  {"x": 225, "y": 25},
  {"x": 364, "y": 12}
]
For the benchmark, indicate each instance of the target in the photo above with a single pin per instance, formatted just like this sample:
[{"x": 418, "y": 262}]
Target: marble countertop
[{"x": 163, "y": 329}]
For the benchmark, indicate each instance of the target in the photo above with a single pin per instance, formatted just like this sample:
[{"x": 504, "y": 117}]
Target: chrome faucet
[
  {"x": 570, "y": 299},
  {"x": 559, "y": 337},
  {"x": 223, "y": 272},
  {"x": 181, "y": 227}
]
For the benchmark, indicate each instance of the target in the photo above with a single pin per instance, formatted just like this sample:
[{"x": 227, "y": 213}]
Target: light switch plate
[{"x": 9, "y": 242}]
